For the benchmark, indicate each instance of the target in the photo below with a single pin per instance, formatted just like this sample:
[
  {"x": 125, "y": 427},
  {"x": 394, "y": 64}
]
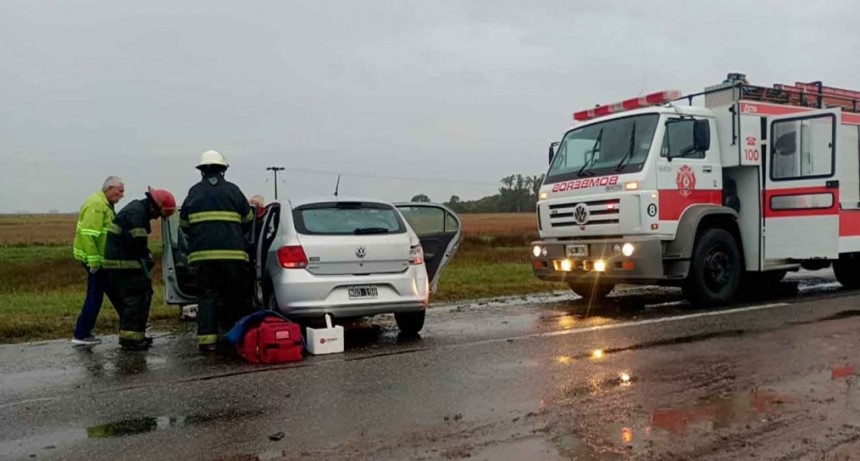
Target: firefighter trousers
[
  {"x": 224, "y": 297},
  {"x": 130, "y": 291}
]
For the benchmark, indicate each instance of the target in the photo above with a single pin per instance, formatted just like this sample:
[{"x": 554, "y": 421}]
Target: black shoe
[{"x": 134, "y": 345}]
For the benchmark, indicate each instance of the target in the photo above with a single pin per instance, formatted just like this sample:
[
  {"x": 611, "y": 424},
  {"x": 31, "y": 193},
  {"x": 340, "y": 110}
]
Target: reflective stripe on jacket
[
  {"x": 94, "y": 220},
  {"x": 216, "y": 216}
]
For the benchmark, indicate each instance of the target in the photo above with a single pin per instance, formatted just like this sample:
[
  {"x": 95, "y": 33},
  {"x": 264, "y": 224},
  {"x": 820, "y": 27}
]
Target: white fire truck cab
[{"x": 756, "y": 182}]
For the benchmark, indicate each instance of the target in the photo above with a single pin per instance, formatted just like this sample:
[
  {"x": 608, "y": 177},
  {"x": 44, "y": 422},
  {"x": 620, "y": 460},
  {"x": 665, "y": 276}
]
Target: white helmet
[{"x": 212, "y": 157}]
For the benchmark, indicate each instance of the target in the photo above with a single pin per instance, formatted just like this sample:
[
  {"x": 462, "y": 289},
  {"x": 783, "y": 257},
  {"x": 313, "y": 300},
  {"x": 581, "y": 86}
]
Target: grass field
[{"x": 41, "y": 287}]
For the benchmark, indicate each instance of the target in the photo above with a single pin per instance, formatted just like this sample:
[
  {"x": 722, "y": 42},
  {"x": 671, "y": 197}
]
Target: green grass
[
  {"x": 52, "y": 314},
  {"x": 42, "y": 288}
]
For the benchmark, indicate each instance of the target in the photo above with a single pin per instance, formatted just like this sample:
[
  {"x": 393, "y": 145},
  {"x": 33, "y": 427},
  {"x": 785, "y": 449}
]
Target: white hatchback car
[{"x": 348, "y": 257}]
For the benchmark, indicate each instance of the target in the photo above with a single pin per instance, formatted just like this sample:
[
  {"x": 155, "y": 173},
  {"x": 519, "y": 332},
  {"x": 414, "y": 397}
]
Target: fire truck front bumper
[{"x": 612, "y": 260}]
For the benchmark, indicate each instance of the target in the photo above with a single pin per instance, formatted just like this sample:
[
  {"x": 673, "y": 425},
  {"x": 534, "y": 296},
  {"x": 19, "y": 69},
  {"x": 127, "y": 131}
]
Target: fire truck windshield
[{"x": 615, "y": 146}]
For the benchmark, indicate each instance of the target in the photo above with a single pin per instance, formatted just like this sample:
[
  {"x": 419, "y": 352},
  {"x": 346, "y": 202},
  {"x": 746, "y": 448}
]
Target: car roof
[{"x": 301, "y": 201}]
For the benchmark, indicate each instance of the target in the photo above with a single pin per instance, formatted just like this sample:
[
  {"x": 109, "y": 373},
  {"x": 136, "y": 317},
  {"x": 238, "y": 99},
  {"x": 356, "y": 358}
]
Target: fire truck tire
[
  {"x": 410, "y": 323},
  {"x": 592, "y": 289},
  {"x": 715, "y": 269},
  {"x": 847, "y": 271}
]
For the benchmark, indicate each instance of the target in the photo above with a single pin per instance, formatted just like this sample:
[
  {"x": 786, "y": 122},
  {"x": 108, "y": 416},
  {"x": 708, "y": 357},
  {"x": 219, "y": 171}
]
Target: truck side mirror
[
  {"x": 701, "y": 136},
  {"x": 552, "y": 148}
]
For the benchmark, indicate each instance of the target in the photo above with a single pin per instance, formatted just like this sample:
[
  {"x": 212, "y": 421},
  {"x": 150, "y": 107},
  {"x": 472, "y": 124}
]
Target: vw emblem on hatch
[
  {"x": 580, "y": 214},
  {"x": 360, "y": 252}
]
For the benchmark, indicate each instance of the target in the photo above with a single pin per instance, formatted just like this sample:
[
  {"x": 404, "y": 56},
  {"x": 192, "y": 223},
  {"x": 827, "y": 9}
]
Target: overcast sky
[{"x": 453, "y": 94}]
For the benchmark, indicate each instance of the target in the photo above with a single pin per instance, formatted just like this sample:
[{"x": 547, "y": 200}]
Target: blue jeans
[{"x": 96, "y": 284}]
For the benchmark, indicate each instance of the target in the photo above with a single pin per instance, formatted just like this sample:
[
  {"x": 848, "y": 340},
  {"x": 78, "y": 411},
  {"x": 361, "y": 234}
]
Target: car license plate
[
  {"x": 363, "y": 292},
  {"x": 577, "y": 250}
]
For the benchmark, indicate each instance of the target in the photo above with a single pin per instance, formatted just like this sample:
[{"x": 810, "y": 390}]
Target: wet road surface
[{"x": 641, "y": 376}]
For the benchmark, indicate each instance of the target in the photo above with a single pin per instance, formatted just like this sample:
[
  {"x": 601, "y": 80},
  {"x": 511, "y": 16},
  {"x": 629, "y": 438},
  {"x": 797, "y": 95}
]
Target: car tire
[
  {"x": 592, "y": 290},
  {"x": 410, "y": 323},
  {"x": 715, "y": 269}
]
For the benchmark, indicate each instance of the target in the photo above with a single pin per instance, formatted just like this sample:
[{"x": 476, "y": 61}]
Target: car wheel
[
  {"x": 410, "y": 323},
  {"x": 592, "y": 290},
  {"x": 715, "y": 269}
]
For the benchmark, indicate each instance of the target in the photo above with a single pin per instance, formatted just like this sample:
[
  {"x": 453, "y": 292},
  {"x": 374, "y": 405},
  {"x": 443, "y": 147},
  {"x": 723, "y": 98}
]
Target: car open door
[
  {"x": 268, "y": 224},
  {"x": 180, "y": 284},
  {"x": 439, "y": 230}
]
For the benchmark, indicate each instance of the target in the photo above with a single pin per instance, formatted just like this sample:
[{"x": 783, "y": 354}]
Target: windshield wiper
[
  {"x": 370, "y": 230},
  {"x": 594, "y": 150},
  {"x": 629, "y": 154}
]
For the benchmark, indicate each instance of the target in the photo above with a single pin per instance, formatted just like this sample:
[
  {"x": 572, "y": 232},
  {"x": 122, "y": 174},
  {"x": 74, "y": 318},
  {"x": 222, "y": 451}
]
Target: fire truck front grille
[{"x": 588, "y": 213}]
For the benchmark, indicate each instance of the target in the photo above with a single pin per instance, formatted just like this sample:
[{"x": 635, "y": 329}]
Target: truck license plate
[
  {"x": 577, "y": 250},
  {"x": 363, "y": 292}
]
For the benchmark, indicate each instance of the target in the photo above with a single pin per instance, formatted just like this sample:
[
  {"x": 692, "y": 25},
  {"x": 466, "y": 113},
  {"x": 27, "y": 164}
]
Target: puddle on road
[
  {"x": 55, "y": 441},
  {"x": 528, "y": 448},
  {"x": 719, "y": 413},
  {"x": 147, "y": 424}
]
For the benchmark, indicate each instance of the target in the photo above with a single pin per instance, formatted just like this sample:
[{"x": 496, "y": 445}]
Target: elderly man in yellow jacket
[{"x": 94, "y": 219}]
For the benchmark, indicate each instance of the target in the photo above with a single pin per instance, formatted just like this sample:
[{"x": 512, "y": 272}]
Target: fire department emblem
[{"x": 686, "y": 181}]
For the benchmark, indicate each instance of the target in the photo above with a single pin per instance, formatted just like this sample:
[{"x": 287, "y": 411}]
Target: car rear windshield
[{"x": 348, "y": 218}]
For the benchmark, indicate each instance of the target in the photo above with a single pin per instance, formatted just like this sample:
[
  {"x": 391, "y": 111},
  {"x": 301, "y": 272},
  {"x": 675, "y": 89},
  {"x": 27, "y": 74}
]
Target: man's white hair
[{"x": 112, "y": 181}]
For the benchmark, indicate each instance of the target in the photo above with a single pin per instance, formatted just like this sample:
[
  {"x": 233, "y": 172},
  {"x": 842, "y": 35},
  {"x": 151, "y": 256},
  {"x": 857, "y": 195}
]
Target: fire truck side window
[
  {"x": 802, "y": 148},
  {"x": 678, "y": 140}
]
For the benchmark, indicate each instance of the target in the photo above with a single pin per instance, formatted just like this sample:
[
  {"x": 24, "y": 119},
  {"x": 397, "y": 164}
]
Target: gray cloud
[{"x": 460, "y": 93}]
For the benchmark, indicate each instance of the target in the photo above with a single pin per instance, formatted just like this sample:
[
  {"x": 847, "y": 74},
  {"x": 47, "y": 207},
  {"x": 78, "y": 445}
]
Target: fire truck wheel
[
  {"x": 715, "y": 269},
  {"x": 592, "y": 289},
  {"x": 847, "y": 271},
  {"x": 410, "y": 323}
]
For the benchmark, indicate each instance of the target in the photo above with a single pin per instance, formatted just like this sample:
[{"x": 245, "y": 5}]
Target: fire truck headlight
[
  {"x": 600, "y": 265},
  {"x": 566, "y": 265},
  {"x": 543, "y": 196},
  {"x": 627, "y": 249},
  {"x": 537, "y": 250}
]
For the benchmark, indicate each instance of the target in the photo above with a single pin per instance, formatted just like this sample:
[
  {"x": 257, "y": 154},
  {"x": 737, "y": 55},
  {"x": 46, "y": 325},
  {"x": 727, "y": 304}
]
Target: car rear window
[{"x": 348, "y": 218}]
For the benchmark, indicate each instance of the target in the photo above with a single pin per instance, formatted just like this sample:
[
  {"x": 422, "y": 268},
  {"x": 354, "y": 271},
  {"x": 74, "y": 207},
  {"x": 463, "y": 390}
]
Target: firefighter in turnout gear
[
  {"x": 128, "y": 263},
  {"x": 216, "y": 217}
]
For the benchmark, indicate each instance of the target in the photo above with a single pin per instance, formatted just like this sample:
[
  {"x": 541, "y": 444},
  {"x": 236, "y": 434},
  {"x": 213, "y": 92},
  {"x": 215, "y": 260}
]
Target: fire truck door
[{"x": 801, "y": 194}]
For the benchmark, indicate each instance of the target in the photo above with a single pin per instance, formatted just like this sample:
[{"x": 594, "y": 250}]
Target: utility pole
[{"x": 275, "y": 170}]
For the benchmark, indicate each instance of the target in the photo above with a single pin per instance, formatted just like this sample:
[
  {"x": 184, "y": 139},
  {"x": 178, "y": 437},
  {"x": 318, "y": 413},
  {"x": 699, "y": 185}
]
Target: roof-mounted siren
[{"x": 653, "y": 99}]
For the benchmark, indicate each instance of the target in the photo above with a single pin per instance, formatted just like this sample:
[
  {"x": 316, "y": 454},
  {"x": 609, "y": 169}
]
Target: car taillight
[
  {"x": 292, "y": 257},
  {"x": 416, "y": 255}
]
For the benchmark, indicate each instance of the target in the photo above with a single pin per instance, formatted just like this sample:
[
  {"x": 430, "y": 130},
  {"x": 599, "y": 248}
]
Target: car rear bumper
[
  {"x": 347, "y": 311},
  {"x": 301, "y": 294}
]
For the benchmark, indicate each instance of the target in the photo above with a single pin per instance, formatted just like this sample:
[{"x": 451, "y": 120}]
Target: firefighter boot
[{"x": 135, "y": 344}]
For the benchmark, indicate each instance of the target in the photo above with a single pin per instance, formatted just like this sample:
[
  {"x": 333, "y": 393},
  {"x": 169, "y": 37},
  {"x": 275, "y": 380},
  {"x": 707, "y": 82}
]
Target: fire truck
[{"x": 733, "y": 186}]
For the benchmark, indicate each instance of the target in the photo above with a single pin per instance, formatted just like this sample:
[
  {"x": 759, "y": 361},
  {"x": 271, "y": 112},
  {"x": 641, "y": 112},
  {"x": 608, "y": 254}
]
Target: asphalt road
[{"x": 643, "y": 376}]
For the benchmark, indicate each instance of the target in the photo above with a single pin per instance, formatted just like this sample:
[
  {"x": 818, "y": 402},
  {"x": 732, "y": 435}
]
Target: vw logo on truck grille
[
  {"x": 360, "y": 252},
  {"x": 580, "y": 213}
]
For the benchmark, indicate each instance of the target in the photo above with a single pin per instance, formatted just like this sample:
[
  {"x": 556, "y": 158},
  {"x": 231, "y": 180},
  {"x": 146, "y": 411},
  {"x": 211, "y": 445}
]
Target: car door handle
[
  {"x": 707, "y": 169},
  {"x": 832, "y": 184}
]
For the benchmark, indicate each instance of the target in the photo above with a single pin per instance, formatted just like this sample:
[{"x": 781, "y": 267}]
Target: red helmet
[{"x": 163, "y": 200}]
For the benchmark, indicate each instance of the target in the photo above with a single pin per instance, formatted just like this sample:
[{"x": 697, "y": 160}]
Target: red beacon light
[{"x": 652, "y": 99}]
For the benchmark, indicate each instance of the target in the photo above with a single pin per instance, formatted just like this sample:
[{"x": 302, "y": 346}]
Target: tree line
[{"x": 517, "y": 194}]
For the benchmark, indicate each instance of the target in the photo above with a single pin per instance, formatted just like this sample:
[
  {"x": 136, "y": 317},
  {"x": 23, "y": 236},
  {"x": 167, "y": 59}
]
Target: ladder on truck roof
[{"x": 813, "y": 94}]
